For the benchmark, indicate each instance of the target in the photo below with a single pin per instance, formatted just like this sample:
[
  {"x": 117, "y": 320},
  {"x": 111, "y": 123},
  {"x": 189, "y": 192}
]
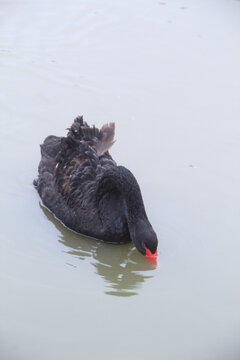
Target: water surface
[{"x": 167, "y": 73}]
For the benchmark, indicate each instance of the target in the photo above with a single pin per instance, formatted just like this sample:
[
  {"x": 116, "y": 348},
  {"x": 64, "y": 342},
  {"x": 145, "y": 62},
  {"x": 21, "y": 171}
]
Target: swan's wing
[
  {"x": 77, "y": 161},
  {"x": 78, "y": 170},
  {"x": 77, "y": 165}
]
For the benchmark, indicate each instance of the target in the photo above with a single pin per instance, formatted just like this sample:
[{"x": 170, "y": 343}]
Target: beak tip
[{"x": 151, "y": 255}]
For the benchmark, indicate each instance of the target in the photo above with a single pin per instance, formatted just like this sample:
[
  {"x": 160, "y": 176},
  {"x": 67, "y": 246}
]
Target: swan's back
[{"x": 70, "y": 169}]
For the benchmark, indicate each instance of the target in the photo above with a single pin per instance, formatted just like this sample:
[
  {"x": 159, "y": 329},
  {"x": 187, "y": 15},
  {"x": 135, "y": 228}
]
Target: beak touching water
[{"x": 151, "y": 258}]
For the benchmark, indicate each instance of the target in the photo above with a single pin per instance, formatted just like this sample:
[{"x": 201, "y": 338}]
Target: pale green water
[{"x": 168, "y": 74}]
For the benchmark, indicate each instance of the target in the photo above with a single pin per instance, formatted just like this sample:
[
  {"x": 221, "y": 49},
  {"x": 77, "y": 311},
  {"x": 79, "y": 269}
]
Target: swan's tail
[{"x": 101, "y": 139}]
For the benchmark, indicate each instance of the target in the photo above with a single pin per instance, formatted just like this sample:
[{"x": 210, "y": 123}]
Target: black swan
[{"x": 85, "y": 189}]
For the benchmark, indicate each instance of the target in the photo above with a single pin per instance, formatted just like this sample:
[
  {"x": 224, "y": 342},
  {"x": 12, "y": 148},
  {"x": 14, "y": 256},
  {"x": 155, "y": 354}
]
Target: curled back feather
[{"x": 106, "y": 140}]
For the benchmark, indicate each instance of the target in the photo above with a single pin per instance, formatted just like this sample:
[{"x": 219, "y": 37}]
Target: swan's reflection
[{"x": 121, "y": 266}]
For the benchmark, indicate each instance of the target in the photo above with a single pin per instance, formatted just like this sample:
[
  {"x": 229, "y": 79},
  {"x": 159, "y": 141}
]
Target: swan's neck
[
  {"x": 120, "y": 188},
  {"x": 120, "y": 180}
]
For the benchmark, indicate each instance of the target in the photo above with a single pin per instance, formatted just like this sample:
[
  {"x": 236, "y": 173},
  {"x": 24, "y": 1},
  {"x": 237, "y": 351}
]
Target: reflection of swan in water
[{"x": 121, "y": 266}]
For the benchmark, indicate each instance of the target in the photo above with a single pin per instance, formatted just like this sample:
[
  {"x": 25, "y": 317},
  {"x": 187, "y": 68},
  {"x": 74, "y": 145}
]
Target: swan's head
[{"x": 144, "y": 237}]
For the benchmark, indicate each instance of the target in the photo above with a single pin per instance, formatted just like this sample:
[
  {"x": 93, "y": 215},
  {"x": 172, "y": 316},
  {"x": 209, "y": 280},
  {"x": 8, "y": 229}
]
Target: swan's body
[{"x": 82, "y": 185}]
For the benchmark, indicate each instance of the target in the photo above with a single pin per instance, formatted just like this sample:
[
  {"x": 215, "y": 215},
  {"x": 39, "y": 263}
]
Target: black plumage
[{"x": 82, "y": 185}]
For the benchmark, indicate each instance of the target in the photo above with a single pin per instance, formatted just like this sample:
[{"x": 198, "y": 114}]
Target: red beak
[
  {"x": 151, "y": 258},
  {"x": 149, "y": 254}
]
